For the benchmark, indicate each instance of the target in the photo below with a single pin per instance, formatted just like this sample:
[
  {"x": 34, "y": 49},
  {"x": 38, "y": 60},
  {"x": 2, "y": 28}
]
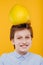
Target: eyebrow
[{"x": 21, "y": 36}]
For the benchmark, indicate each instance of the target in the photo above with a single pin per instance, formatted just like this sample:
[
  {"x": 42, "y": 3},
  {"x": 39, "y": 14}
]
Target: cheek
[
  {"x": 29, "y": 41},
  {"x": 16, "y": 41}
]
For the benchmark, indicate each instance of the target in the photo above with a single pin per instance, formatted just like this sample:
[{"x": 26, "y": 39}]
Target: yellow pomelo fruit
[{"x": 19, "y": 14}]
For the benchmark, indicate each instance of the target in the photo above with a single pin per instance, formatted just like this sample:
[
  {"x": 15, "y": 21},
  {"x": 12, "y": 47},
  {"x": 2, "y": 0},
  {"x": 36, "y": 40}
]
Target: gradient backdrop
[{"x": 35, "y": 9}]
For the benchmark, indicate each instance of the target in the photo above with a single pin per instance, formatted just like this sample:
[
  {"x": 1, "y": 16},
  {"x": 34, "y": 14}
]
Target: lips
[{"x": 23, "y": 45}]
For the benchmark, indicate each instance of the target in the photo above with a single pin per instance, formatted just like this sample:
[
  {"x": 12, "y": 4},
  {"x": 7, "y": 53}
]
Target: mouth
[{"x": 24, "y": 46}]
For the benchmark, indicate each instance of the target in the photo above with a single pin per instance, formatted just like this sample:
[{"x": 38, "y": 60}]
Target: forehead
[{"x": 22, "y": 32}]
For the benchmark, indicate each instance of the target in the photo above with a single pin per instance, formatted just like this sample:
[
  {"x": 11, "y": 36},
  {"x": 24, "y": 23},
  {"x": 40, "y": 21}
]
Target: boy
[{"x": 21, "y": 37}]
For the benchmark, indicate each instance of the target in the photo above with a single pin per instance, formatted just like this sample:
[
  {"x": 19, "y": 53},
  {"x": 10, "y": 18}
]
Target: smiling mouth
[{"x": 23, "y": 46}]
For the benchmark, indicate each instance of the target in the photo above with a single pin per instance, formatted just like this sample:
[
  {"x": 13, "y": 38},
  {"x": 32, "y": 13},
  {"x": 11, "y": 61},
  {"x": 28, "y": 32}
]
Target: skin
[{"x": 22, "y": 41}]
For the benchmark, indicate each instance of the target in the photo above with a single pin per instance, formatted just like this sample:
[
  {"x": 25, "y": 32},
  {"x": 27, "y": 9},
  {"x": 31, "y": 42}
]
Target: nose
[{"x": 24, "y": 41}]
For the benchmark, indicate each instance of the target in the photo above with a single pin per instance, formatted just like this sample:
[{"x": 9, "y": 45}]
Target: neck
[{"x": 21, "y": 52}]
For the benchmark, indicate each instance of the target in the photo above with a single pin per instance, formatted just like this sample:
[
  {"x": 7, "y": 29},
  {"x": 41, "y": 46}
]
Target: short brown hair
[{"x": 19, "y": 27}]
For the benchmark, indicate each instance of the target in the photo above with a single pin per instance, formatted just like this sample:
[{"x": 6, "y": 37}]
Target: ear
[{"x": 12, "y": 41}]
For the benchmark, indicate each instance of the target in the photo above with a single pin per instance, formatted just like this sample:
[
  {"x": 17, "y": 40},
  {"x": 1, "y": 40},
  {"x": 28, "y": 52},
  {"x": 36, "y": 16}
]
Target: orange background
[{"x": 35, "y": 9}]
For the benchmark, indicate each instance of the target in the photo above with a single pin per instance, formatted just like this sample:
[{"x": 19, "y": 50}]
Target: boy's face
[{"x": 22, "y": 40}]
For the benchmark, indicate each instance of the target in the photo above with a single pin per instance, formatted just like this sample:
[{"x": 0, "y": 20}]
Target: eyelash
[
  {"x": 21, "y": 37},
  {"x": 27, "y": 37}
]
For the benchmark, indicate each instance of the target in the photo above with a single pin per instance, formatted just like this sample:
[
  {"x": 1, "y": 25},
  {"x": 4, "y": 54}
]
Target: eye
[
  {"x": 19, "y": 37},
  {"x": 27, "y": 37}
]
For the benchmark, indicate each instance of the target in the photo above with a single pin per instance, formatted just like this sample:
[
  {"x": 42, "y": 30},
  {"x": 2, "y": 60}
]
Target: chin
[{"x": 23, "y": 50}]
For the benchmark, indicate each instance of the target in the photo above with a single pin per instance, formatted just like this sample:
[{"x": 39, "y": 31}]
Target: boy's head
[{"x": 21, "y": 36}]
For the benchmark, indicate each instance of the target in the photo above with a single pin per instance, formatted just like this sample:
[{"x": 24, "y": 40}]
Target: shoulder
[
  {"x": 7, "y": 56},
  {"x": 36, "y": 57}
]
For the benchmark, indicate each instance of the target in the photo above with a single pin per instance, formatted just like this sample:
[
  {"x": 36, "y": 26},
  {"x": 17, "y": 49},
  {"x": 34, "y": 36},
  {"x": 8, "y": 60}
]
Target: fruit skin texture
[{"x": 19, "y": 14}]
